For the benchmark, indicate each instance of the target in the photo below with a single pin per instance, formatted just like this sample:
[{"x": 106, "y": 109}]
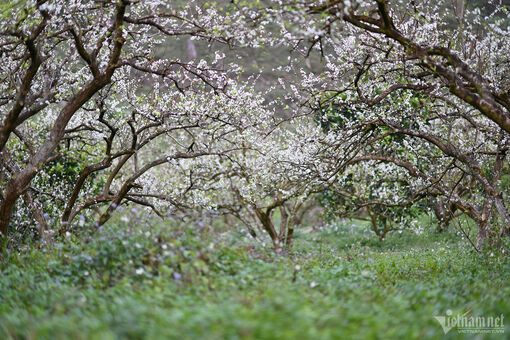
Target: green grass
[{"x": 197, "y": 284}]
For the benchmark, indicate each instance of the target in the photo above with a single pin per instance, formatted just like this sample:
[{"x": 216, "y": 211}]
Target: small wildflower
[{"x": 366, "y": 273}]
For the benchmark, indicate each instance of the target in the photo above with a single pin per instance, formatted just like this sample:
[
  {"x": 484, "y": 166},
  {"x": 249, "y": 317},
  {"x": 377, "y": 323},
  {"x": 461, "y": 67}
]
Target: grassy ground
[{"x": 173, "y": 282}]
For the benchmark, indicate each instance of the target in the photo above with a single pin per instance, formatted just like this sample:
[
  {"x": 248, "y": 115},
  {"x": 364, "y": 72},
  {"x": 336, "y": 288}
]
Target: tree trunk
[
  {"x": 373, "y": 220},
  {"x": 441, "y": 215},
  {"x": 267, "y": 224},
  {"x": 481, "y": 235},
  {"x": 283, "y": 224},
  {"x": 503, "y": 213},
  {"x": 6, "y": 209},
  {"x": 294, "y": 220}
]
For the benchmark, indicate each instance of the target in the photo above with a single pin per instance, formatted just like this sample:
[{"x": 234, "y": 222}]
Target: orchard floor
[{"x": 175, "y": 282}]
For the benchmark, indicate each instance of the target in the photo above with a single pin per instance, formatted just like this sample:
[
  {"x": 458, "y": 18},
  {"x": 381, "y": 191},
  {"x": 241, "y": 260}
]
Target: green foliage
[
  {"x": 335, "y": 116},
  {"x": 349, "y": 286}
]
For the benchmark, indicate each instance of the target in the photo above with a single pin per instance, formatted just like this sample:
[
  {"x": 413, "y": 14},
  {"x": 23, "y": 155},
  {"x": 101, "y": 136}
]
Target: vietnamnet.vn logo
[{"x": 466, "y": 323}]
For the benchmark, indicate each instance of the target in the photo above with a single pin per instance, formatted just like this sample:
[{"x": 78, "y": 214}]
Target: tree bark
[
  {"x": 283, "y": 224},
  {"x": 267, "y": 224},
  {"x": 503, "y": 213},
  {"x": 481, "y": 235},
  {"x": 290, "y": 230}
]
